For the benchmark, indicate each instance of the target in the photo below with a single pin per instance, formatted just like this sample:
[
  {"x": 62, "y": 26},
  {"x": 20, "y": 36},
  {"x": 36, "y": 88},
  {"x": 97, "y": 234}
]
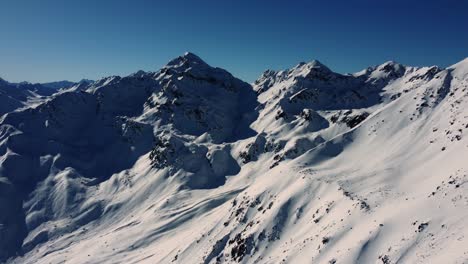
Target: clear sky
[{"x": 46, "y": 40}]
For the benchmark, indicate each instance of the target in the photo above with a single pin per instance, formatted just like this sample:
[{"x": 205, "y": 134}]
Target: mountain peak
[
  {"x": 191, "y": 56},
  {"x": 314, "y": 64},
  {"x": 388, "y": 65},
  {"x": 317, "y": 64},
  {"x": 389, "y": 69},
  {"x": 187, "y": 59},
  {"x": 312, "y": 69},
  {"x": 390, "y": 62}
]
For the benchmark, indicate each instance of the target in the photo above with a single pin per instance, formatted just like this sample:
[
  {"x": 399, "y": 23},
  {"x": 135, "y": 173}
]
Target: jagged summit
[
  {"x": 304, "y": 68},
  {"x": 302, "y": 74},
  {"x": 390, "y": 62},
  {"x": 203, "y": 101},
  {"x": 386, "y": 71},
  {"x": 192, "y": 57},
  {"x": 390, "y": 65},
  {"x": 190, "y": 64},
  {"x": 314, "y": 69},
  {"x": 386, "y": 66},
  {"x": 188, "y": 59},
  {"x": 315, "y": 64}
]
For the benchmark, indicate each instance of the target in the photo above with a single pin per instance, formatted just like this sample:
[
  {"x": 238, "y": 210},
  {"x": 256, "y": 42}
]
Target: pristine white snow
[{"x": 191, "y": 165}]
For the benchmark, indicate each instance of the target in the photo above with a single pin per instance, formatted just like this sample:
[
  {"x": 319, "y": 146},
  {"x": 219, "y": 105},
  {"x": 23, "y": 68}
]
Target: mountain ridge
[{"x": 189, "y": 164}]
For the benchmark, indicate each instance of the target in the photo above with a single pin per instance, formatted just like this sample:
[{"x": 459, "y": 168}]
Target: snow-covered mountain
[
  {"x": 189, "y": 164},
  {"x": 17, "y": 95},
  {"x": 65, "y": 84}
]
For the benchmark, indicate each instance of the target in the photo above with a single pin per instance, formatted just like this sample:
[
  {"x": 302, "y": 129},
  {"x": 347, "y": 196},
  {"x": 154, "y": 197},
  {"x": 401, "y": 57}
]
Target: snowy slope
[{"x": 189, "y": 164}]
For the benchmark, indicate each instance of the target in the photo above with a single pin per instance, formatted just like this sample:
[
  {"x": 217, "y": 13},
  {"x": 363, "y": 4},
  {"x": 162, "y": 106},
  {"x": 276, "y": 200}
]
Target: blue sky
[{"x": 53, "y": 40}]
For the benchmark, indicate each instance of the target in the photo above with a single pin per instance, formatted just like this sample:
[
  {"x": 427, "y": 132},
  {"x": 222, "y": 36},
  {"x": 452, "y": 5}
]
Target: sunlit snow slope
[{"x": 192, "y": 165}]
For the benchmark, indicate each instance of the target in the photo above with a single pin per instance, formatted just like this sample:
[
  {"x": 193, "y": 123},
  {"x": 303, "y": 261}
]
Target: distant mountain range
[
  {"x": 17, "y": 95},
  {"x": 189, "y": 164},
  {"x": 64, "y": 84}
]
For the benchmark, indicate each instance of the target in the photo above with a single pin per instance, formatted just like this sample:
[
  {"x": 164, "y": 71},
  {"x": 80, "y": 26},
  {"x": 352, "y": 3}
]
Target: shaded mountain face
[
  {"x": 189, "y": 164},
  {"x": 205, "y": 102}
]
